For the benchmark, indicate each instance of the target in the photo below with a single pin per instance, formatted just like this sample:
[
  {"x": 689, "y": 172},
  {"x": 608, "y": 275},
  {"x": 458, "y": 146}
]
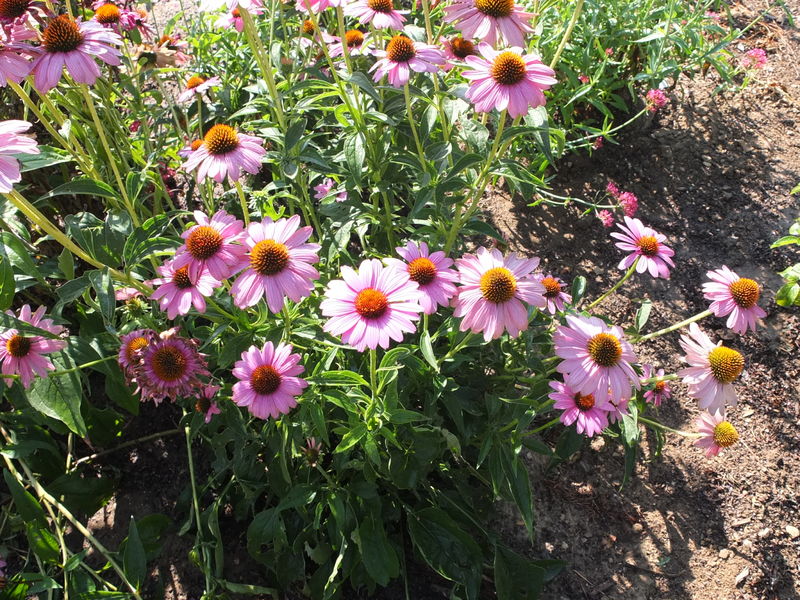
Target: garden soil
[{"x": 714, "y": 174}]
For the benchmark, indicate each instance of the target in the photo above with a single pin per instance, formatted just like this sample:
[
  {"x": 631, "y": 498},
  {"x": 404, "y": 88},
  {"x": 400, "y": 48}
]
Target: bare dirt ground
[{"x": 713, "y": 173}]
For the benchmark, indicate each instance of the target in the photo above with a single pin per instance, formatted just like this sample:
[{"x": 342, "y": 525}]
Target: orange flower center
[
  {"x": 495, "y": 8},
  {"x": 462, "y": 48},
  {"x": 354, "y": 38},
  {"x": 108, "y": 14},
  {"x": 221, "y": 139},
  {"x": 269, "y": 257},
  {"x": 236, "y": 14},
  {"x": 13, "y": 9},
  {"x": 202, "y": 405},
  {"x": 552, "y": 288},
  {"x": 584, "y": 402},
  {"x": 648, "y": 245},
  {"x": 181, "y": 278},
  {"x": 265, "y": 380},
  {"x": 18, "y": 346},
  {"x": 204, "y": 242},
  {"x": 726, "y": 364},
  {"x": 508, "y": 68},
  {"x": 62, "y": 34},
  {"x": 498, "y": 285},
  {"x": 400, "y": 49},
  {"x": 308, "y": 27},
  {"x": 196, "y": 145},
  {"x": 194, "y": 81},
  {"x": 660, "y": 387},
  {"x": 381, "y": 6},
  {"x": 745, "y": 292},
  {"x": 371, "y": 303},
  {"x": 725, "y": 434},
  {"x": 605, "y": 349},
  {"x": 136, "y": 344},
  {"x": 422, "y": 270},
  {"x": 169, "y": 363}
]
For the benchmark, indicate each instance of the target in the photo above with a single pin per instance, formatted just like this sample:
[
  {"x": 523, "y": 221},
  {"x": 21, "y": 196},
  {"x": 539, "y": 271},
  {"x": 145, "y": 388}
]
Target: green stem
[
  {"x": 616, "y": 286},
  {"x": 44, "y": 223},
  {"x": 684, "y": 323},
  {"x": 420, "y": 152},
  {"x": 387, "y": 209},
  {"x": 657, "y": 425},
  {"x": 373, "y": 372},
  {"x": 128, "y": 444},
  {"x": 196, "y": 505},
  {"x": 547, "y": 425},
  {"x": 243, "y": 203},
  {"x": 576, "y": 13},
  {"x": 262, "y": 57},
  {"x": 83, "y": 366}
]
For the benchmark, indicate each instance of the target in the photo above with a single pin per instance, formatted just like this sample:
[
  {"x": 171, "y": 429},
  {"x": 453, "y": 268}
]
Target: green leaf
[
  {"x": 20, "y": 256},
  {"x": 351, "y": 438},
  {"x": 516, "y": 577},
  {"x": 448, "y": 549},
  {"x": 81, "y": 186},
  {"x": 785, "y": 241},
  {"x": 134, "y": 560},
  {"x": 66, "y": 263},
  {"x": 60, "y": 397},
  {"x": 355, "y": 154},
  {"x": 27, "y": 506},
  {"x": 7, "y": 285},
  {"x": 426, "y": 347},
  {"x": 83, "y": 494},
  {"x": 47, "y": 157},
  {"x": 338, "y": 378},
  {"x": 578, "y": 289},
  {"x": 643, "y": 314},
  {"x": 377, "y": 553},
  {"x": 101, "y": 282},
  {"x": 788, "y": 294},
  {"x": 250, "y": 590}
]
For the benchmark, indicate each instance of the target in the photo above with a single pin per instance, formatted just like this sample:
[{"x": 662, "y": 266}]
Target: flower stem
[
  {"x": 243, "y": 203},
  {"x": 196, "y": 506},
  {"x": 264, "y": 63},
  {"x": 373, "y": 372},
  {"x": 576, "y": 13},
  {"x": 547, "y": 425},
  {"x": 420, "y": 152},
  {"x": 657, "y": 425},
  {"x": 81, "y": 367},
  {"x": 616, "y": 286},
  {"x": 128, "y": 444},
  {"x": 684, "y": 323}
]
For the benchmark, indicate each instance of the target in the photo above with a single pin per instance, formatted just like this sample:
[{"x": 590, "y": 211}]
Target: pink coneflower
[
  {"x": 169, "y": 367},
  {"x": 754, "y": 59},
  {"x": 278, "y": 264},
  {"x": 13, "y": 142},
  {"x": 187, "y": 150},
  {"x": 579, "y": 409},
  {"x": 629, "y": 203},
  {"x": 205, "y": 403},
  {"x": 507, "y": 79},
  {"x": 370, "y": 307},
  {"x": 736, "y": 297},
  {"x": 212, "y": 5},
  {"x": 493, "y": 289},
  {"x": 714, "y": 16},
  {"x": 554, "y": 292},
  {"x": 323, "y": 190},
  {"x": 226, "y": 153},
  {"x": 212, "y": 244},
  {"x": 712, "y": 370},
  {"x": 312, "y": 451},
  {"x": 126, "y": 293},
  {"x": 178, "y": 291},
  {"x": 357, "y": 44},
  {"x": 456, "y": 49},
  {"x": 171, "y": 51},
  {"x": 597, "y": 359},
  {"x": 606, "y": 218},
  {"x": 73, "y": 44},
  {"x": 431, "y": 272},
  {"x": 489, "y": 20},
  {"x": 316, "y": 6},
  {"x": 661, "y": 390},
  {"x": 197, "y": 85},
  {"x": 717, "y": 433},
  {"x": 131, "y": 346},
  {"x": 268, "y": 382},
  {"x": 23, "y": 355},
  {"x": 646, "y": 245},
  {"x": 380, "y": 13},
  {"x": 17, "y": 11},
  {"x": 14, "y": 63},
  {"x": 654, "y": 100},
  {"x": 233, "y": 18},
  {"x": 403, "y": 55}
]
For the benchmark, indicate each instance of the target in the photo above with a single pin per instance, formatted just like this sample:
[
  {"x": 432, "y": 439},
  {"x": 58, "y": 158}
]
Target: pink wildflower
[
  {"x": 612, "y": 189},
  {"x": 212, "y": 244},
  {"x": 717, "y": 433},
  {"x": 268, "y": 382},
  {"x": 432, "y": 272},
  {"x": 323, "y": 190},
  {"x": 598, "y": 143},
  {"x": 402, "y": 56},
  {"x": 553, "y": 292},
  {"x": 579, "y": 409},
  {"x": 205, "y": 403},
  {"x": 597, "y": 359},
  {"x": 14, "y": 63},
  {"x": 754, "y": 59},
  {"x": 178, "y": 291},
  {"x": 606, "y": 218},
  {"x": 380, "y": 13},
  {"x": 507, "y": 80},
  {"x": 584, "y": 79},
  {"x": 233, "y": 18},
  {"x": 645, "y": 245},
  {"x": 278, "y": 264},
  {"x": 712, "y": 370},
  {"x": 226, "y": 153},
  {"x": 734, "y": 296},
  {"x": 358, "y": 44},
  {"x": 490, "y": 20},
  {"x": 13, "y": 142},
  {"x": 660, "y": 390},
  {"x": 609, "y": 51},
  {"x": 22, "y": 354},
  {"x": 493, "y": 289},
  {"x": 654, "y": 100},
  {"x": 629, "y": 203},
  {"x": 372, "y": 306},
  {"x": 197, "y": 85}
]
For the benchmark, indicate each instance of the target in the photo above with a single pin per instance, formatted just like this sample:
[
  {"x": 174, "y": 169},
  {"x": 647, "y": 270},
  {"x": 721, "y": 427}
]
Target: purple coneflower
[
  {"x": 734, "y": 296},
  {"x": 553, "y": 292},
  {"x": 13, "y": 142},
  {"x": 380, "y": 13},
  {"x": 717, "y": 433},
  {"x": 197, "y": 85},
  {"x": 178, "y": 291},
  {"x": 22, "y": 354},
  {"x": 226, "y": 153},
  {"x": 660, "y": 389},
  {"x": 646, "y": 245},
  {"x": 402, "y": 56},
  {"x": 169, "y": 367},
  {"x": 212, "y": 244},
  {"x": 432, "y": 272},
  {"x": 490, "y": 20},
  {"x": 268, "y": 383},
  {"x": 578, "y": 408}
]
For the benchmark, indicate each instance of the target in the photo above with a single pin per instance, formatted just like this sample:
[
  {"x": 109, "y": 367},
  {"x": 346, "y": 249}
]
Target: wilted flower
[
  {"x": 268, "y": 382},
  {"x": 507, "y": 79},
  {"x": 131, "y": 346},
  {"x": 736, "y": 297},
  {"x": 712, "y": 370},
  {"x": 717, "y": 433},
  {"x": 371, "y": 306},
  {"x": 23, "y": 354},
  {"x": 205, "y": 403},
  {"x": 312, "y": 451},
  {"x": 169, "y": 366},
  {"x": 493, "y": 289}
]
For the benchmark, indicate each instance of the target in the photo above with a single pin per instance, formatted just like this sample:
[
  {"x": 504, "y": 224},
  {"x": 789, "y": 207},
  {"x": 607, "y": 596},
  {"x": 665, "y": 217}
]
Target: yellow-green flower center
[
  {"x": 745, "y": 292},
  {"x": 725, "y": 434}
]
